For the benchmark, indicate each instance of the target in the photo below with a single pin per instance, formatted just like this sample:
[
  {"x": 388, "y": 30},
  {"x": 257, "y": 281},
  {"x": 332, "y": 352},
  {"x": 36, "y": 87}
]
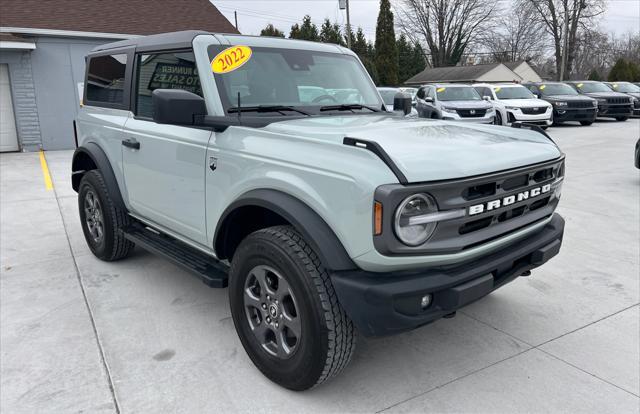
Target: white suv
[{"x": 516, "y": 104}]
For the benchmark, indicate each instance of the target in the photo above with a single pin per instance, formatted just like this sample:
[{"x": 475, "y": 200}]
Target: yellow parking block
[{"x": 48, "y": 184}]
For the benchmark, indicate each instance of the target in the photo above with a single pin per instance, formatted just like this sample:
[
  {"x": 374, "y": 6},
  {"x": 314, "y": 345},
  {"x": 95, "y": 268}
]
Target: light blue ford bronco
[{"x": 271, "y": 166}]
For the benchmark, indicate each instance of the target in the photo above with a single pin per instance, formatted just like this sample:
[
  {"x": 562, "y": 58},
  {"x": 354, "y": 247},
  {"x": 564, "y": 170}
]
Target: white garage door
[{"x": 8, "y": 135}]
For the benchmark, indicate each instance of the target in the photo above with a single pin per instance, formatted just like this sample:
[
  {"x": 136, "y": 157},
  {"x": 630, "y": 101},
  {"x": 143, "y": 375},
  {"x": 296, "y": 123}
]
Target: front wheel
[
  {"x": 621, "y": 118},
  {"x": 498, "y": 119},
  {"x": 101, "y": 220},
  {"x": 286, "y": 311}
]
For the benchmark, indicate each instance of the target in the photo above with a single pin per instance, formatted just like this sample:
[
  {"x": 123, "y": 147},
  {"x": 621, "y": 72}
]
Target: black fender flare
[
  {"x": 303, "y": 218},
  {"x": 101, "y": 161}
]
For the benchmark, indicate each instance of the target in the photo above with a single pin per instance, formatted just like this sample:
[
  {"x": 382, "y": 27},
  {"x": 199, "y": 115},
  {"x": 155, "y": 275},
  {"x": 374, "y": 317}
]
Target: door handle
[{"x": 131, "y": 143}]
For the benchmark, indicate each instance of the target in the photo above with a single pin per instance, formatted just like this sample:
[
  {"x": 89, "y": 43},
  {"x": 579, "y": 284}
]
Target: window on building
[
  {"x": 164, "y": 71},
  {"x": 106, "y": 79}
]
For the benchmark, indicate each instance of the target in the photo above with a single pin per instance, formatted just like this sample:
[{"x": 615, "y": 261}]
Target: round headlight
[{"x": 407, "y": 225}]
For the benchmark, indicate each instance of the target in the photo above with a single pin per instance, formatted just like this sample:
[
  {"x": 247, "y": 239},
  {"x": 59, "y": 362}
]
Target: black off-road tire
[
  {"x": 622, "y": 118},
  {"x": 328, "y": 337},
  {"x": 112, "y": 245},
  {"x": 586, "y": 123}
]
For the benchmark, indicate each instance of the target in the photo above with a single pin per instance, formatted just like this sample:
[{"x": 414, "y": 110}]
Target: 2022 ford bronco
[{"x": 323, "y": 213}]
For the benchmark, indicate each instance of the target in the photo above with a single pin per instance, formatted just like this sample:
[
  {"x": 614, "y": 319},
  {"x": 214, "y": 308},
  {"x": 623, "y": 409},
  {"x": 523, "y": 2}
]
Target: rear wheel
[
  {"x": 102, "y": 222},
  {"x": 621, "y": 118},
  {"x": 586, "y": 123},
  {"x": 286, "y": 311}
]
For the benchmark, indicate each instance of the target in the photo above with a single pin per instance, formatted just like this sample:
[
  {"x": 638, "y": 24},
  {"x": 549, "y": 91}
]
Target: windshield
[
  {"x": 388, "y": 95},
  {"x": 625, "y": 87},
  {"x": 512, "y": 92},
  {"x": 302, "y": 79},
  {"x": 592, "y": 87},
  {"x": 551, "y": 89},
  {"x": 457, "y": 93}
]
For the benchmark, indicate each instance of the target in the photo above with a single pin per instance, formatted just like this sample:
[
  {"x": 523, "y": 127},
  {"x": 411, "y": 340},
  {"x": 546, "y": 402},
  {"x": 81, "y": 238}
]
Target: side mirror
[
  {"x": 486, "y": 98},
  {"x": 402, "y": 102},
  {"x": 177, "y": 106},
  {"x": 428, "y": 99}
]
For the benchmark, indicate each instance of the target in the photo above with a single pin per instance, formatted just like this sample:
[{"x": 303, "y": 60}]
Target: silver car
[{"x": 453, "y": 102}]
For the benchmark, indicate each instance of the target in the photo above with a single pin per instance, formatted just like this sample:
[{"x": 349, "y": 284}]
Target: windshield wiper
[
  {"x": 267, "y": 108},
  {"x": 347, "y": 107}
]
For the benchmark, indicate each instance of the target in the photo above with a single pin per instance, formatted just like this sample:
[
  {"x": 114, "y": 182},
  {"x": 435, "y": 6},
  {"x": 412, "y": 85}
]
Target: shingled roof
[
  {"x": 135, "y": 17},
  {"x": 452, "y": 74}
]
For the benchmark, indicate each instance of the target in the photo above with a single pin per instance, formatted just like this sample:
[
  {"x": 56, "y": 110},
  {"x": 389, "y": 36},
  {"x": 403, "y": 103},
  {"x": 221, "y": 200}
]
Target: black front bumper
[
  {"x": 387, "y": 303},
  {"x": 614, "y": 111},
  {"x": 585, "y": 114}
]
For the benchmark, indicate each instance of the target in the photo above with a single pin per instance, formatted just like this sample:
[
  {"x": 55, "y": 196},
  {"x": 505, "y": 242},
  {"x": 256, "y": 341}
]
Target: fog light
[{"x": 425, "y": 301}]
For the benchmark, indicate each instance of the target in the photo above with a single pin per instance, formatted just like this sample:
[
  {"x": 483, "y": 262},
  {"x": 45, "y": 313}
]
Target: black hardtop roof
[{"x": 173, "y": 40}]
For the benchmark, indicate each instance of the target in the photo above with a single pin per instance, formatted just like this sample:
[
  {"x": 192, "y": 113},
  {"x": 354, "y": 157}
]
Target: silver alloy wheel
[
  {"x": 272, "y": 311},
  {"x": 93, "y": 216}
]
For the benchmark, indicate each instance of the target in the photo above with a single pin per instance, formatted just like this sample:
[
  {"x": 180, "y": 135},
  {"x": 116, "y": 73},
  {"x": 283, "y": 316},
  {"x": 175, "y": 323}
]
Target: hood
[
  {"x": 611, "y": 94},
  {"x": 466, "y": 104},
  {"x": 428, "y": 150},
  {"x": 572, "y": 98},
  {"x": 524, "y": 103}
]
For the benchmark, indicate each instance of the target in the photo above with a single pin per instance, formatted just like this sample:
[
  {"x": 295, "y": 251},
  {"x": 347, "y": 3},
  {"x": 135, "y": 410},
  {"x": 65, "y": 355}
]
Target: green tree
[
  {"x": 595, "y": 75},
  {"x": 270, "y": 30},
  {"x": 634, "y": 71},
  {"x": 418, "y": 61},
  {"x": 331, "y": 33},
  {"x": 620, "y": 71},
  {"x": 359, "y": 45},
  {"x": 306, "y": 31},
  {"x": 386, "y": 58}
]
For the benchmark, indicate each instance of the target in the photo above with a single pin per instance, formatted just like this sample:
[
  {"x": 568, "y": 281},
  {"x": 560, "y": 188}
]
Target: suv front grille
[
  {"x": 519, "y": 207},
  {"x": 623, "y": 101},
  {"x": 580, "y": 104},
  {"x": 471, "y": 113},
  {"x": 534, "y": 110}
]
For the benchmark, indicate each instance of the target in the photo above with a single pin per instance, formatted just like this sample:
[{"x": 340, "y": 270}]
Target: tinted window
[
  {"x": 105, "y": 80},
  {"x": 513, "y": 92},
  {"x": 164, "y": 71},
  {"x": 551, "y": 89},
  {"x": 457, "y": 93}
]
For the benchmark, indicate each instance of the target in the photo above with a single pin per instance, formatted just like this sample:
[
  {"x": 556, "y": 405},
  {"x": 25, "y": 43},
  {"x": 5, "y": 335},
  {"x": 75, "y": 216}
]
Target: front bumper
[
  {"x": 569, "y": 114},
  {"x": 517, "y": 116},
  {"x": 614, "y": 111},
  {"x": 387, "y": 303}
]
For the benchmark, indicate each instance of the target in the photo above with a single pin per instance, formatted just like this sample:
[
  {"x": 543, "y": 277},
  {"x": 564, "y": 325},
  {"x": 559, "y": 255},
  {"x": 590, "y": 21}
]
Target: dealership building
[{"x": 43, "y": 45}]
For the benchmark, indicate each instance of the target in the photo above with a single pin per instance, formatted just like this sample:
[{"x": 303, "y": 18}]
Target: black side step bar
[{"x": 212, "y": 272}]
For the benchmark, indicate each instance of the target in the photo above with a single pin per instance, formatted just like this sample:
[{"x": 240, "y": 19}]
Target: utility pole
[
  {"x": 344, "y": 4},
  {"x": 235, "y": 15}
]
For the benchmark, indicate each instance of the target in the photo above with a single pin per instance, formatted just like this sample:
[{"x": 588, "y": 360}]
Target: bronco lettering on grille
[{"x": 509, "y": 200}]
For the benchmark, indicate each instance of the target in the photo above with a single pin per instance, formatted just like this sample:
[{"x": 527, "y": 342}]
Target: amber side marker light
[{"x": 377, "y": 218}]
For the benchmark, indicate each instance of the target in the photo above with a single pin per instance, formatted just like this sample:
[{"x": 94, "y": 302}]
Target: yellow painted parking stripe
[{"x": 48, "y": 184}]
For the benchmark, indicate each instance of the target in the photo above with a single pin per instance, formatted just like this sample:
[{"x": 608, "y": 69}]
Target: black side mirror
[
  {"x": 402, "y": 102},
  {"x": 177, "y": 106}
]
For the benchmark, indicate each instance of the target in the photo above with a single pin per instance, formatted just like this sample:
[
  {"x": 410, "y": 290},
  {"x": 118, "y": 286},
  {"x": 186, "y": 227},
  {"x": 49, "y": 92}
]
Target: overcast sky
[{"x": 622, "y": 15}]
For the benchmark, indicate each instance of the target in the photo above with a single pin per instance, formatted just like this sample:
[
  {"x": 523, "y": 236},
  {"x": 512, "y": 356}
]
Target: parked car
[
  {"x": 412, "y": 92},
  {"x": 630, "y": 89},
  {"x": 388, "y": 95},
  {"x": 516, "y": 104},
  {"x": 610, "y": 104},
  {"x": 322, "y": 216},
  {"x": 453, "y": 102},
  {"x": 568, "y": 105}
]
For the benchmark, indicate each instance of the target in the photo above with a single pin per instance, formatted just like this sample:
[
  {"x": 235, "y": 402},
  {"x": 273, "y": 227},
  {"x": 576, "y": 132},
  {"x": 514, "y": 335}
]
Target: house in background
[
  {"x": 493, "y": 72},
  {"x": 43, "y": 45},
  {"x": 525, "y": 71}
]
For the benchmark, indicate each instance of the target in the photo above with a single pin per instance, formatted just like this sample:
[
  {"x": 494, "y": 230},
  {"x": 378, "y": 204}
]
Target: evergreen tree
[
  {"x": 405, "y": 59},
  {"x": 270, "y": 30},
  {"x": 359, "y": 45},
  {"x": 331, "y": 33},
  {"x": 386, "y": 58},
  {"x": 419, "y": 62},
  {"x": 634, "y": 71},
  {"x": 594, "y": 75},
  {"x": 346, "y": 36},
  {"x": 620, "y": 71},
  {"x": 306, "y": 31}
]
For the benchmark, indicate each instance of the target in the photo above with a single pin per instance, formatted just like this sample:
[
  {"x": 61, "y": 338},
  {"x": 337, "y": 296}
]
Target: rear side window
[
  {"x": 176, "y": 70},
  {"x": 106, "y": 79}
]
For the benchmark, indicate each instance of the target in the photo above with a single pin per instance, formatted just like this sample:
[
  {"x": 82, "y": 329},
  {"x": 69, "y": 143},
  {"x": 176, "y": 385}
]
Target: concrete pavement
[{"x": 141, "y": 335}]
